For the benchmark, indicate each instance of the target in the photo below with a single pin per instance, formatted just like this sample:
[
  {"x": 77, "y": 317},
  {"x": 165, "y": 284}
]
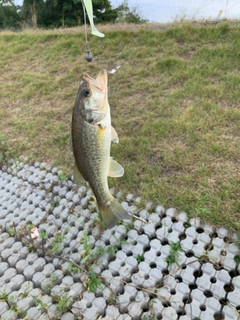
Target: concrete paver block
[{"x": 27, "y": 196}]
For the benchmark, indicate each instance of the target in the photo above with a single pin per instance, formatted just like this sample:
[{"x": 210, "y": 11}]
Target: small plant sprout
[
  {"x": 62, "y": 305},
  {"x": 10, "y": 301},
  {"x": 56, "y": 202},
  {"x": 140, "y": 257},
  {"x": 112, "y": 250},
  {"x": 73, "y": 268},
  {"x": 10, "y": 231},
  {"x": 93, "y": 282},
  {"x": 56, "y": 244},
  {"x": 51, "y": 281},
  {"x": 53, "y": 277},
  {"x": 174, "y": 254},
  {"x": 86, "y": 253},
  {"x": 42, "y": 234},
  {"x": 100, "y": 251},
  {"x": 3, "y": 295},
  {"x": 61, "y": 176},
  {"x": 237, "y": 259},
  {"x": 39, "y": 303}
]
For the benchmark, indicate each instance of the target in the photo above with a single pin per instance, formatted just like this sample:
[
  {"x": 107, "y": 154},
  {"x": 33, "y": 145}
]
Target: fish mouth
[{"x": 99, "y": 83}]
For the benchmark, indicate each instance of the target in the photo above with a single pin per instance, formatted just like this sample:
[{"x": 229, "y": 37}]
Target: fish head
[{"x": 93, "y": 97}]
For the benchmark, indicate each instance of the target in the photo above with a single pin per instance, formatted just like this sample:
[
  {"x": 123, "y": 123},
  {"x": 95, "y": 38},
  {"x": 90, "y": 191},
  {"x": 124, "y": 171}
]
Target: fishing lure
[{"x": 87, "y": 6}]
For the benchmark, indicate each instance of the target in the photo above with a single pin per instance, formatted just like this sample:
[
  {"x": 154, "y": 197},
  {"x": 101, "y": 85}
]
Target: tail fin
[{"x": 112, "y": 213}]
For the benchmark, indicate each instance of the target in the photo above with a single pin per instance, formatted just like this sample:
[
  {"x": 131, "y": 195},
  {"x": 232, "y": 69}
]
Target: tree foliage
[
  {"x": 63, "y": 13},
  {"x": 126, "y": 14},
  {"x": 9, "y": 15}
]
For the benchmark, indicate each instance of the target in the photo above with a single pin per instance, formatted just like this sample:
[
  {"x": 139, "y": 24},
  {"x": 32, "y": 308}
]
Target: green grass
[{"x": 174, "y": 103}]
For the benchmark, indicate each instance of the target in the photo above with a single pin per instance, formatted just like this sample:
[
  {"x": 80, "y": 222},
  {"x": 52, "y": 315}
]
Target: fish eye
[{"x": 86, "y": 92}]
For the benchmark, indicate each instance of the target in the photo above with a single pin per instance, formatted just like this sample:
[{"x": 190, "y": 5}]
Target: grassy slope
[{"x": 174, "y": 104}]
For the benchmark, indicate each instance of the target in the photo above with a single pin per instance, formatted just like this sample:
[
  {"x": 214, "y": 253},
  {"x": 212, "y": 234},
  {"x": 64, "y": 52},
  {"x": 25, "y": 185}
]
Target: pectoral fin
[
  {"x": 115, "y": 169},
  {"x": 114, "y": 135},
  {"x": 78, "y": 178}
]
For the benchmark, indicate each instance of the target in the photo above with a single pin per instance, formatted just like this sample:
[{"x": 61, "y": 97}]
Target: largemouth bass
[{"x": 92, "y": 134}]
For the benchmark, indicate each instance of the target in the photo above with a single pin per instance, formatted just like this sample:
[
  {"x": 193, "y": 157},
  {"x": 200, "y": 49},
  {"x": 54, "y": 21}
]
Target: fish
[{"x": 92, "y": 135}]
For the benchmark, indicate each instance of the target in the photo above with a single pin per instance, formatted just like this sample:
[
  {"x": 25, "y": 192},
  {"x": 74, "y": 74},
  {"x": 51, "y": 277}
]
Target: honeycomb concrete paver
[{"x": 48, "y": 277}]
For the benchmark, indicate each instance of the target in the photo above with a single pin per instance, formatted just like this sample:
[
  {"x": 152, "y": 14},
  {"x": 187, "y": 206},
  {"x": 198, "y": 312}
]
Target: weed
[
  {"x": 31, "y": 247},
  {"x": 10, "y": 300},
  {"x": 100, "y": 251},
  {"x": 63, "y": 304},
  {"x": 56, "y": 244},
  {"x": 73, "y": 268},
  {"x": 39, "y": 303},
  {"x": 129, "y": 225},
  {"x": 10, "y": 231},
  {"x": 237, "y": 259},
  {"x": 86, "y": 253},
  {"x": 3, "y": 295},
  {"x": 93, "y": 282},
  {"x": 61, "y": 176},
  {"x": 187, "y": 224},
  {"x": 89, "y": 259},
  {"x": 53, "y": 277},
  {"x": 55, "y": 203},
  {"x": 140, "y": 257},
  {"x": 42, "y": 236},
  {"x": 174, "y": 254},
  {"x": 13, "y": 306},
  {"x": 112, "y": 250},
  {"x": 51, "y": 281}
]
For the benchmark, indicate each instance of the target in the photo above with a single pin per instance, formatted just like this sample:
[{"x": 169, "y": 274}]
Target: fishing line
[{"x": 89, "y": 56}]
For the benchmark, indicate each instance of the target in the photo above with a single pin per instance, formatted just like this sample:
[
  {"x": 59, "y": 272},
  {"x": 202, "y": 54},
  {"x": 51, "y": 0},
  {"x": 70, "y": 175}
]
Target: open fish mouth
[{"x": 99, "y": 83}]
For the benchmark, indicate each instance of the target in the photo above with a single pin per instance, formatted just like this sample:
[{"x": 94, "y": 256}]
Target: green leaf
[{"x": 94, "y": 282}]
